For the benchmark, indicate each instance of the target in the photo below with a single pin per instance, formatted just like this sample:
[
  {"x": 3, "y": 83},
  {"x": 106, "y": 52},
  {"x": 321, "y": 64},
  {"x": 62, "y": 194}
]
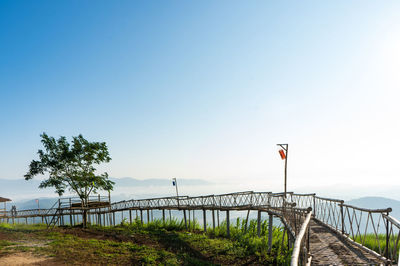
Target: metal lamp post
[{"x": 284, "y": 154}]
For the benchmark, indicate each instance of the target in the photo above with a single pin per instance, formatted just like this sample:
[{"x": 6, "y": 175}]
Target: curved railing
[{"x": 301, "y": 245}]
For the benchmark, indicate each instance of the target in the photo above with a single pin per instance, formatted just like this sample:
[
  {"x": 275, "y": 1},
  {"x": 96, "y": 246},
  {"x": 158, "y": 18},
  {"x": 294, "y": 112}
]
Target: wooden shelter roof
[{"x": 4, "y": 199}]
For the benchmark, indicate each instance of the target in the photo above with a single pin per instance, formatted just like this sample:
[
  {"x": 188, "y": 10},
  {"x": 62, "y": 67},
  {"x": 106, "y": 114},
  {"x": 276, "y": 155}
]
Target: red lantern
[{"x": 282, "y": 154}]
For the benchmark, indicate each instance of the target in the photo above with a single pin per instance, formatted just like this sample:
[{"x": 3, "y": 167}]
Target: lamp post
[
  {"x": 37, "y": 201},
  {"x": 284, "y": 154},
  {"x": 175, "y": 184}
]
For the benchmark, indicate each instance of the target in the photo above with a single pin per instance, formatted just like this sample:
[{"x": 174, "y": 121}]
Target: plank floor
[{"x": 327, "y": 248}]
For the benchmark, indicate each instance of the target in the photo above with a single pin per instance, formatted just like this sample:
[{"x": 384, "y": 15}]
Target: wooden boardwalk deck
[{"x": 327, "y": 248}]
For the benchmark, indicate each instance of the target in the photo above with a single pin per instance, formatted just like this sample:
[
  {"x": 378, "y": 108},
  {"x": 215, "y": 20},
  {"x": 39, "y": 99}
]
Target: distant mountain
[
  {"x": 377, "y": 203},
  {"x": 23, "y": 193},
  {"x": 132, "y": 182}
]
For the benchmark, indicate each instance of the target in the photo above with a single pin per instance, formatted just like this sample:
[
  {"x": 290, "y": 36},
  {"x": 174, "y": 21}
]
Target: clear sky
[{"x": 205, "y": 89}]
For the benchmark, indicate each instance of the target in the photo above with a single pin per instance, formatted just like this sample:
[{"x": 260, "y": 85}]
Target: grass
[
  {"x": 372, "y": 242},
  {"x": 154, "y": 243}
]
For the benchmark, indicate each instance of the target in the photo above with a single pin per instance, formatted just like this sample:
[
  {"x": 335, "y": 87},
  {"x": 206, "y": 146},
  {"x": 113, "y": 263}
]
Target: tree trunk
[{"x": 84, "y": 213}]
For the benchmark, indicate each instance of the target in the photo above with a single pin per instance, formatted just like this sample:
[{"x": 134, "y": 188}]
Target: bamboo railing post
[
  {"x": 259, "y": 223},
  {"x": 314, "y": 205},
  {"x": 342, "y": 216},
  {"x": 247, "y": 219},
  {"x": 270, "y": 228},
  {"x": 109, "y": 203},
  {"x": 213, "y": 218},
  {"x": 228, "y": 233},
  {"x": 70, "y": 212},
  {"x": 189, "y": 219},
  {"x": 204, "y": 220},
  {"x": 387, "y": 237},
  {"x": 184, "y": 217}
]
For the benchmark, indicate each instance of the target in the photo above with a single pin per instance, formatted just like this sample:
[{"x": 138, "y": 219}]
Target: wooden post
[
  {"x": 283, "y": 239},
  {"x": 204, "y": 220},
  {"x": 184, "y": 217},
  {"x": 113, "y": 218},
  {"x": 194, "y": 221},
  {"x": 387, "y": 237},
  {"x": 213, "y": 219},
  {"x": 148, "y": 216},
  {"x": 109, "y": 202},
  {"x": 141, "y": 216},
  {"x": 259, "y": 223},
  {"x": 163, "y": 215},
  {"x": 218, "y": 217},
  {"x": 189, "y": 219},
  {"x": 247, "y": 219},
  {"x": 70, "y": 212},
  {"x": 151, "y": 211},
  {"x": 170, "y": 216},
  {"x": 314, "y": 209},
  {"x": 130, "y": 216},
  {"x": 342, "y": 216},
  {"x": 228, "y": 233},
  {"x": 270, "y": 228}
]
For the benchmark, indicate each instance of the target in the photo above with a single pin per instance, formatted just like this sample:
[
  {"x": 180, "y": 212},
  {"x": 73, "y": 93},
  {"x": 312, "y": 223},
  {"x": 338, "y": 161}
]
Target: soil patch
[{"x": 27, "y": 259}]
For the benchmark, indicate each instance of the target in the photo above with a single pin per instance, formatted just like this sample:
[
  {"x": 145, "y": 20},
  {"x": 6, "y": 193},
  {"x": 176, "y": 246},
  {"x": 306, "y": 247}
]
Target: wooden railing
[
  {"x": 301, "y": 254},
  {"x": 366, "y": 228}
]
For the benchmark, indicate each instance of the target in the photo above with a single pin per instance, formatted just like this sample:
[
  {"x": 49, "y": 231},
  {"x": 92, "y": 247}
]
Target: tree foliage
[{"x": 71, "y": 166}]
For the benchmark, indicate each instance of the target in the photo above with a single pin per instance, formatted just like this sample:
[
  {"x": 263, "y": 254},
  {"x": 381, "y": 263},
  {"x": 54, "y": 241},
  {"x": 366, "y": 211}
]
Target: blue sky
[{"x": 205, "y": 89}]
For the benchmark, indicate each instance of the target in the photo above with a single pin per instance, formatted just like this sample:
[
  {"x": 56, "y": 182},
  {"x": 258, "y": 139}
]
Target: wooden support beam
[
  {"x": 189, "y": 219},
  {"x": 270, "y": 228},
  {"x": 205, "y": 220},
  {"x": 259, "y": 223},
  {"x": 194, "y": 220},
  {"x": 228, "y": 233},
  {"x": 213, "y": 219},
  {"x": 184, "y": 217},
  {"x": 247, "y": 219}
]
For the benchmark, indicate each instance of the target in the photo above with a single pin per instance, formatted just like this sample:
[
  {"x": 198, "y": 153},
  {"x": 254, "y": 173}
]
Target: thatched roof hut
[{"x": 4, "y": 199}]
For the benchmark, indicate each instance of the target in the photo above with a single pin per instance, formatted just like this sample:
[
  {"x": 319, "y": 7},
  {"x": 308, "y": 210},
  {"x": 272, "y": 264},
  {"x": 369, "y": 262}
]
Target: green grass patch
[{"x": 154, "y": 243}]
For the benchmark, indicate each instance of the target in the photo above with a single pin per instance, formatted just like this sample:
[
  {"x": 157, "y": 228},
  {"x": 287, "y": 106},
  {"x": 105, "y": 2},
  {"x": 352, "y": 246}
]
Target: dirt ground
[{"x": 25, "y": 258}]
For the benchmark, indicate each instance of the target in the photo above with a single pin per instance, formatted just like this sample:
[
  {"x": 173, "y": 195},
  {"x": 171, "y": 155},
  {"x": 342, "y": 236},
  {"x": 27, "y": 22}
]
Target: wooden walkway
[{"x": 327, "y": 248}]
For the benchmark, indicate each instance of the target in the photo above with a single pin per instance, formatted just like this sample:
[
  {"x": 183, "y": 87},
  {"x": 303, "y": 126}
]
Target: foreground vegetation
[
  {"x": 378, "y": 244},
  {"x": 148, "y": 244}
]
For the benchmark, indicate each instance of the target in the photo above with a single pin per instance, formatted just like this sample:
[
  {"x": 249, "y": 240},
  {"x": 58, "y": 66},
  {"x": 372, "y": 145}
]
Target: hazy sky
[{"x": 205, "y": 89}]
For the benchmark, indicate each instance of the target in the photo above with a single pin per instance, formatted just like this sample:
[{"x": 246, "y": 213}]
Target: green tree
[{"x": 71, "y": 166}]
